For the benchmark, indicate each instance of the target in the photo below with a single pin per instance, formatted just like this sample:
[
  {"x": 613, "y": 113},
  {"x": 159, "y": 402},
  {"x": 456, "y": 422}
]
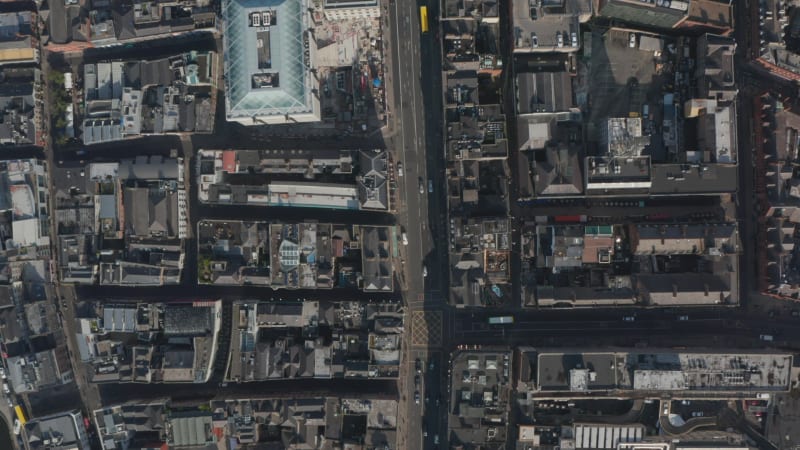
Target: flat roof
[
  {"x": 265, "y": 62},
  {"x": 544, "y": 92}
]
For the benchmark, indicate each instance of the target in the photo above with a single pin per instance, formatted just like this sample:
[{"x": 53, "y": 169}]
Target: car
[
  {"x": 683, "y": 318},
  {"x": 6, "y": 389},
  {"x": 424, "y": 431},
  {"x": 416, "y": 380},
  {"x": 424, "y": 271},
  {"x": 629, "y": 318},
  {"x": 632, "y": 40},
  {"x": 427, "y": 399},
  {"x": 418, "y": 366},
  {"x": 416, "y": 397},
  {"x": 431, "y": 364},
  {"x": 534, "y": 40},
  {"x": 421, "y": 186},
  {"x": 766, "y": 337},
  {"x": 436, "y": 439},
  {"x": 560, "y": 39},
  {"x": 3, "y": 373},
  {"x": 400, "y": 169},
  {"x": 574, "y": 37},
  {"x": 686, "y": 402},
  {"x": 430, "y": 186},
  {"x": 405, "y": 238}
]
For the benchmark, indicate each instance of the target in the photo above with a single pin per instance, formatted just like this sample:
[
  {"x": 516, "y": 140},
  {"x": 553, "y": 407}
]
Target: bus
[
  {"x": 501, "y": 320},
  {"x": 423, "y": 18},
  {"x": 20, "y": 415}
]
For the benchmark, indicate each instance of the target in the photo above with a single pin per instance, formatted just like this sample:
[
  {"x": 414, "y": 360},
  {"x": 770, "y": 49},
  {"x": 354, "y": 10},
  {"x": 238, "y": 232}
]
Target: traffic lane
[
  {"x": 193, "y": 291},
  {"x": 291, "y": 388},
  {"x": 289, "y": 213},
  {"x": 604, "y": 313},
  {"x": 550, "y": 327},
  {"x": 434, "y": 399},
  {"x": 716, "y": 333}
]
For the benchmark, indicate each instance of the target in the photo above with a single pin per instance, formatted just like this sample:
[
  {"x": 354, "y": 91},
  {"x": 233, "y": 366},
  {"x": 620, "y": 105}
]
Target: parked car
[
  {"x": 629, "y": 318},
  {"x": 632, "y": 40},
  {"x": 416, "y": 397},
  {"x": 683, "y": 318}
]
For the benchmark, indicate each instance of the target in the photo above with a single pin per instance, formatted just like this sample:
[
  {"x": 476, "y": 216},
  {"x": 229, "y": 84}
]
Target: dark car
[{"x": 418, "y": 365}]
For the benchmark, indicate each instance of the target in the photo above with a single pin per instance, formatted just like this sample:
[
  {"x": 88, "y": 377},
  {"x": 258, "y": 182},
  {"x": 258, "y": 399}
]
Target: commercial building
[
  {"x": 549, "y": 25},
  {"x": 635, "y": 264},
  {"x": 314, "y": 340},
  {"x": 20, "y": 109},
  {"x": 723, "y": 374},
  {"x": 17, "y": 42},
  {"x": 272, "y": 178},
  {"x": 480, "y": 393},
  {"x": 149, "y": 343},
  {"x": 130, "y": 98},
  {"x": 58, "y": 431},
  {"x": 122, "y": 223},
  {"x": 351, "y": 9},
  {"x": 108, "y": 23},
  {"x": 269, "y": 59}
]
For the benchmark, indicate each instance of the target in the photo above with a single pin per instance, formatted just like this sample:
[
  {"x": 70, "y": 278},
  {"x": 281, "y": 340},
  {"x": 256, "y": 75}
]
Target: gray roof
[
  {"x": 376, "y": 259},
  {"x": 119, "y": 318},
  {"x": 148, "y": 168},
  {"x": 191, "y": 431},
  {"x": 642, "y": 13},
  {"x": 372, "y": 187},
  {"x": 544, "y": 92},
  {"x": 178, "y": 359},
  {"x": 61, "y": 426},
  {"x": 187, "y": 320}
]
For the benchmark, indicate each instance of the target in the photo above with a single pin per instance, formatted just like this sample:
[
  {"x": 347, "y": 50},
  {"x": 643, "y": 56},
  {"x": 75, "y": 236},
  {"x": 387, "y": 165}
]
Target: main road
[{"x": 417, "y": 144}]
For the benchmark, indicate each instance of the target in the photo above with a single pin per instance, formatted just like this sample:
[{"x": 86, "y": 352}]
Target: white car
[
  {"x": 683, "y": 318},
  {"x": 405, "y": 239},
  {"x": 400, "y": 169},
  {"x": 574, "y": 36},
  {"x": 424, "y": 271},
  {"x": 629, "y": 318},
  {"x": 632, "y": 40},
  {"x": 560, "y": 39}
]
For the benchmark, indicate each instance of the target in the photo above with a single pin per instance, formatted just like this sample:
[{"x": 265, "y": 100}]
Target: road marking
[{"x": 426, "y": 329}]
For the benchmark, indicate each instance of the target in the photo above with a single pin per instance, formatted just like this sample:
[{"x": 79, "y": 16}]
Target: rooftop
[{"x": 267, "y": 59}]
